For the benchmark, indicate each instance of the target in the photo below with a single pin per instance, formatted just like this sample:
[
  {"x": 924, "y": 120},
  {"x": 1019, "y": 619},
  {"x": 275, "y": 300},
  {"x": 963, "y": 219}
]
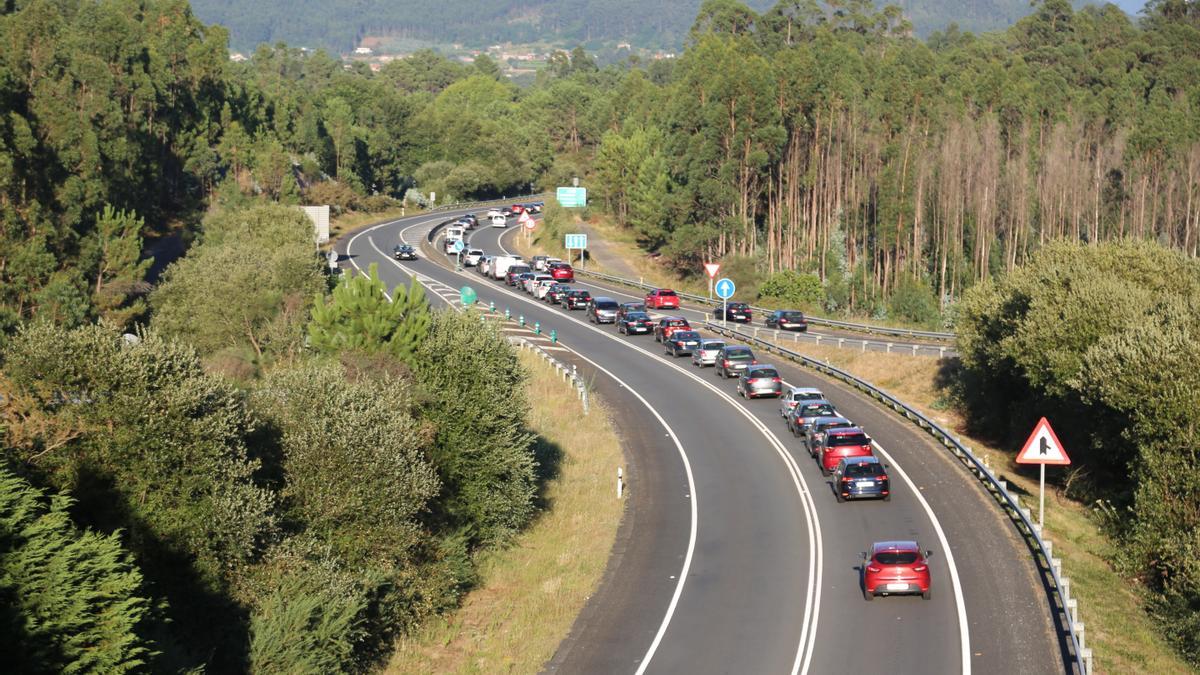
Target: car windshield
[
  {"x": 896, "y": 557},
  {"x": 685, "y": 335},
  {"x": 816, "y": 410},
  {"x": 764, "y": 372},
  {"x": 605, "y": 304},
  {"x": 848, "y": 439},
  {"x": 857, "y": 470}
]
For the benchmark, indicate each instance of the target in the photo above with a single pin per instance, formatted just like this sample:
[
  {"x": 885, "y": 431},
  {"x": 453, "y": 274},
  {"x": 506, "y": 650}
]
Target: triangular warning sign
[
  {"x": 711, "y": 269},
  {"x": 1043, "y": 447},
  {"x": 525, "y": 217}
]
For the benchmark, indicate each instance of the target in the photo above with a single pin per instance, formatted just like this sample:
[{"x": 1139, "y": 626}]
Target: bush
[
  {"x": 914, "y": 301},
  {"x": 793, "y": 288},
  {"x": 482, "y": 450},
  {"x": 70, "y": 601},
  {"x": 361, "y": 317},
  {"x": 351, "y": 459},
  {"x": 339, "y": 196}
]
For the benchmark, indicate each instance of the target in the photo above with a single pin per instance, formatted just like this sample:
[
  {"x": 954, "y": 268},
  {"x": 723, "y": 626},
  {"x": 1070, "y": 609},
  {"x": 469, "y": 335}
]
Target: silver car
[
  {"x": 760, "y": 380},
  {"x": 706, "y": 353},
  {"x": 793, "y": 395}
]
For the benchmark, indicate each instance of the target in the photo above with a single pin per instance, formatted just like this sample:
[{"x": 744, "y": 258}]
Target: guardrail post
[
  {"x": 1086, "y": 653},
  {"x": 818, "y": 340},
  {"x": 620, "y": 483},
  {"x": 941, "y": 352},
  {"x": 864, "y": 346},
  {"x": 889, "y": 348},
  {"x": 1072, "y": 609},
  {"x": 841, "y": 341},
  {"x": 915, "y": 349}
]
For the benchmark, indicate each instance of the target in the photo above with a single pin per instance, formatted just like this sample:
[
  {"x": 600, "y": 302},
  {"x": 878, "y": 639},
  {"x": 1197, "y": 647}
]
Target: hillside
[{"x": 339, "y": 25}]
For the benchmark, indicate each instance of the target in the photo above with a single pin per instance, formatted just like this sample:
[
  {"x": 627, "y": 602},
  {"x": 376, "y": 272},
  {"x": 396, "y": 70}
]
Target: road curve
[{"x": 761, "y": 594}]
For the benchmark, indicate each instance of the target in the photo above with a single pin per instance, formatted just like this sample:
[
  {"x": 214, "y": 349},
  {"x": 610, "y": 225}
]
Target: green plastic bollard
[
  {"x": 521, "y": 320},
  {"x": 507, "y": 314},
  {"x": 553, "y": 336},
  {"x": 537, "y": 327},
  {"x": 491, "y": 306}
]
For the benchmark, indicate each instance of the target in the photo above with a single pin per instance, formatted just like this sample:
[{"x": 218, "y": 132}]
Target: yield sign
[
  {"x": 1043, "y": 447},
  {"x": 711, "y": 269}
]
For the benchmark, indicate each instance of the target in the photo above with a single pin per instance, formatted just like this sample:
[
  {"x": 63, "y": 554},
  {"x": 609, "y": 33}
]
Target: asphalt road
[{"x": 734, "y": 556}]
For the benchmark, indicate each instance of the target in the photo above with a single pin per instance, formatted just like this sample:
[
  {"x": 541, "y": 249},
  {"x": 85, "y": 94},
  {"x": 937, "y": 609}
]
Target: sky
[{"x": 1131, "y": 7}]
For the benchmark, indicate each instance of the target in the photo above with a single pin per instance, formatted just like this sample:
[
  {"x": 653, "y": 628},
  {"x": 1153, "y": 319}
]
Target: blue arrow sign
[
  {"x": 725, "y": 288},
  {"x": 458, "y": 246}
]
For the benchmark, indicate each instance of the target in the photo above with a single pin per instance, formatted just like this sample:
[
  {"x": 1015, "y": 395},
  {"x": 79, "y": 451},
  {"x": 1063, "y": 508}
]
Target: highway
[{"x": 734, "y": 556}]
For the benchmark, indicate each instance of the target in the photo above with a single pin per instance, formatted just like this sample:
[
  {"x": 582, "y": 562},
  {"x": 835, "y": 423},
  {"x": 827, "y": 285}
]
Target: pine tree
[
  {"x": 70, "y": 601},
  {"x": 362, "y": 317}
]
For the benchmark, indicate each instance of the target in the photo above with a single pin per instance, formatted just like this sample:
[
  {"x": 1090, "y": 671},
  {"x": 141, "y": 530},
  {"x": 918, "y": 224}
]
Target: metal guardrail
[
  {"x": 832, "y": 323},
  {"x": 570, "y": 373},
  {"x": 940, "y": 351},
  {"x": 1009, "y": 501}
]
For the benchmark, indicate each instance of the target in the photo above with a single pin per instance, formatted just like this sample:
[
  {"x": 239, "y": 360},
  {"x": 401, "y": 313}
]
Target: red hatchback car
[
  {"x": 562, "y": 272},
  {"x": 668, "y": 325},
  {"x": 662, "y": 298},
  {"x": 838, "y": 444},
  {"x": 896, "y": 568}
]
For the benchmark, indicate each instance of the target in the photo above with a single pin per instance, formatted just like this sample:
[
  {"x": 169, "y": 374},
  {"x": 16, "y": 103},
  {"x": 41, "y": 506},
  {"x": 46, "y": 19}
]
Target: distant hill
[{"x": 339, "y": 25}]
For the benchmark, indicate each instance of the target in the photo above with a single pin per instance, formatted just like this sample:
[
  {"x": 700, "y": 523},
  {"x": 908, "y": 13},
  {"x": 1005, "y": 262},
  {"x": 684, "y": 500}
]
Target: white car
[
  {"x": 492, "y": 213},
  {"x": 472, "y": 257},
  {"x": 542, "y": 288},
  {"x": 794, "y": 395},
  {"x": 485, "y": 265},
  {"x": 499, "y": 221},
  {"x": 537, "y": 279}
]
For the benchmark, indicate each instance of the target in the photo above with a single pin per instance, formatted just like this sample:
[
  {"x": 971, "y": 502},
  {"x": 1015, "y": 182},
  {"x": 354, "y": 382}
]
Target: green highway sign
[{"x": 571, "y": 197}]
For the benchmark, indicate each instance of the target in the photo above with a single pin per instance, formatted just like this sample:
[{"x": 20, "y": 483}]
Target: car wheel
[
  {"x": 867, "y": 594},
  {"x": 887, "y": 497},
  {"x": 927, "y": 594},
  {"x": 839, "y": 496}
]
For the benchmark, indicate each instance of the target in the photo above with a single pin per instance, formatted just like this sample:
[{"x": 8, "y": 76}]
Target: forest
[{"x": 982, "y": 182}]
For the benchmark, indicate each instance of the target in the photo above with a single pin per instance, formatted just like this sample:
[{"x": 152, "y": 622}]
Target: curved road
[{"x": 734, "y": 556}]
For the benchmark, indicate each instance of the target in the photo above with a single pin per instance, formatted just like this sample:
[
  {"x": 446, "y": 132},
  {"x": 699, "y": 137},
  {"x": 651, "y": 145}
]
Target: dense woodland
[{"x": 820, "y": 151}]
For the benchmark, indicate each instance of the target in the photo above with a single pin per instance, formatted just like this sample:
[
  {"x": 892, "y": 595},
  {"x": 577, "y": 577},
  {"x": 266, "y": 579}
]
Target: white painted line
[{"x": 807, "y": 641}]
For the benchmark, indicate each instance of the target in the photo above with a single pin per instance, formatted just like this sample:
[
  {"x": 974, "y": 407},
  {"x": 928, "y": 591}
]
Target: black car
[
  {"x": 627, "y": 307},
  {"x": 514, "y": 271},
  {"x": 787, "y": 319},
  {"x": 681, "y": 342},
  {"x": 576, "y": 299},
  {"x": 734, "y": 311},
  {"x": 404, "y": 252},
  {"x": 554, "y": 295},
  {"x": 634, "y": 323},
  {"x": 858, "y": 477}
]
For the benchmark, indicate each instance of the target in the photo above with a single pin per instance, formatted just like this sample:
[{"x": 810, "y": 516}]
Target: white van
[
  {"x": 501, "y": 263},
  {"x": 499, "y": 220}
]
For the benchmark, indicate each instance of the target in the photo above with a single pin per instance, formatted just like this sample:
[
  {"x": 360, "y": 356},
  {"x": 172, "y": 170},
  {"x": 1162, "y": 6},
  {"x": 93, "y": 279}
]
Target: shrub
[
  {"x": 793, "y": 288},
  {"x": 914, "y": 301},
  {"x": 70, "y": 601},
  {"x": 472, "y": 382},
  {"x": 361, "y": 317}
]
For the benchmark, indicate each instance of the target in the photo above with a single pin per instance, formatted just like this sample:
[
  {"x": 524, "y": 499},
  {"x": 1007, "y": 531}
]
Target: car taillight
[
  {"x": 753, "y": 362},
  {"x": 846, "y": 479},
  {"x": 872, "y": 569},
  {"x": 920, "y": 568},
  {"x": 725, "y": 363},
  {"x": 883, "y": 477},
  {"x": 777, "y": 379}
]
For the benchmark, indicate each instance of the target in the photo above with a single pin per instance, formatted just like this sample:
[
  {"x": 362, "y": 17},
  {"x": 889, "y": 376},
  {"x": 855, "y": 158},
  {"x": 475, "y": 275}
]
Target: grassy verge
[
  {"x": 531, "y": 592},
  {"x": 1122, "y": 636},
  {"x": 351, "y": 221}
]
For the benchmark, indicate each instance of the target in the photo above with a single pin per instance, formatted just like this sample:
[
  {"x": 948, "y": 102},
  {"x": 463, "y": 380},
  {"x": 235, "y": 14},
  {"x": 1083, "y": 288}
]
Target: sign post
[
  {"x": 528, "y": 223},
  {"x": 1042, "y": 448},
  {"x": 725, "y": 288},
  {"x": 458, "y": 249},
  {"x": 575, "y": 241},
  {"x": 711, "y": 270}
]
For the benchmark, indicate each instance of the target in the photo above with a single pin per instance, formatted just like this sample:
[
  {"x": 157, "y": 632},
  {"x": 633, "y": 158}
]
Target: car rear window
[
  {"x": 817, "y": 410},
  {"x": 518, "y": 269},
  {"x": 896, "y": 557},
  {"x": 764, "y": 372},
  {"x": 677, "y": 322},
  {"x": 739, "y": 355},
  {"x": 606, "y": 304},
  {"x": 794, "y": 316},
  {"x": 685, "y": 335},
  {"x": 848, "y": 439},
  {"x": 737, "y": 305},
  {"x": 637, "y": 316},
  {"x": 666, "y": 293},
  {"x": 714, "y": 345},
  {"x": 856, "y": 470}
]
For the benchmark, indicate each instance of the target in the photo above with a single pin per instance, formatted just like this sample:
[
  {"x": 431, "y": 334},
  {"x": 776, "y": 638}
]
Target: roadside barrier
[
  {"x": 568, "y": 372},
  {"x": 1041, "y": 546},
  {"x": 831, "y": 323}
]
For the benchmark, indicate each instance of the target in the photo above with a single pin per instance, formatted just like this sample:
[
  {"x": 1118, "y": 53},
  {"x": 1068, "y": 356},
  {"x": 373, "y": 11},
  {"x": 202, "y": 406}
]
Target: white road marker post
[{"x": 620, "y": 483}]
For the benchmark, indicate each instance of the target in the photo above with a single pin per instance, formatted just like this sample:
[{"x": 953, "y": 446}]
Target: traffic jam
[{"x": 842, "y": 451}]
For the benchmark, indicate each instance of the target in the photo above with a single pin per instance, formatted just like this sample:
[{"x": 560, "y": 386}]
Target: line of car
[{"x": 843, "y": 451}]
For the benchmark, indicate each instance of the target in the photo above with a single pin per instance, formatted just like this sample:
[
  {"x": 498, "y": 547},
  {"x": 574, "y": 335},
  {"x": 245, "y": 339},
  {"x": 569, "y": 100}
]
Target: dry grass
[
  {"x": 531, "y": 593},
  {"x": 1122, "y": 636}
]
